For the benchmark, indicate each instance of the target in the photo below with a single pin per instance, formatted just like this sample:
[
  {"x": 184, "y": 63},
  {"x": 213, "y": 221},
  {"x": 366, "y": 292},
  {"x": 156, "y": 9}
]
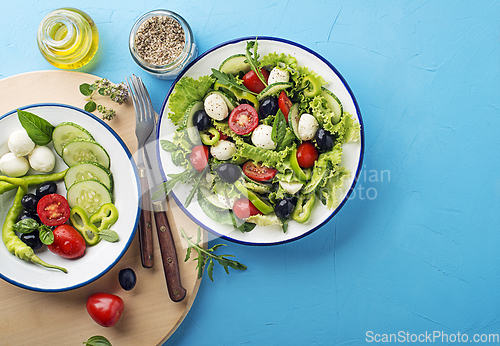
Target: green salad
[{"x": 260, "y": 140}]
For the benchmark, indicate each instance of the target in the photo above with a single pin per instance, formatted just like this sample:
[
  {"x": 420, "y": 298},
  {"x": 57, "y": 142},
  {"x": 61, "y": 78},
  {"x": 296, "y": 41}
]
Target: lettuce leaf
[
  {"x": 264, "y": 220},
  {"x": 328, "y": 194},
  {"x": 269, "y": 158},
  {"x": 186, "y": 91}
]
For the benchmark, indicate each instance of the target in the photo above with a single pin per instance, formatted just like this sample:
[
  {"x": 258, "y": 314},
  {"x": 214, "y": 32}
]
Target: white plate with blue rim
[
  {"x": 352, "y": 152},
  {"x": 98, "y": 259}
]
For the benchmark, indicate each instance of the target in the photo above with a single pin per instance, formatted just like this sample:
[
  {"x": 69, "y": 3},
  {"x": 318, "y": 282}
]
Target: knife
[{"x": 165, "y": 238}]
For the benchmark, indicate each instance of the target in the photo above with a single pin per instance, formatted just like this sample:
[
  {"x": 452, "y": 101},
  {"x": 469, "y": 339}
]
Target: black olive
[
  {"x": 284, "y": 208},
  {"x": 228, "y": 172},
  {"x": 45, "y": 189},
  {"x": 26, "y": 214},
  {"x": 127, "y": 279},
  {"x": 32, "y": 240},
  {"x": 29, "y": 202},
  {"x": 325, "y": 140},
  {"x": 201, "y": 120},
  {"x": 268, "y": 106}
]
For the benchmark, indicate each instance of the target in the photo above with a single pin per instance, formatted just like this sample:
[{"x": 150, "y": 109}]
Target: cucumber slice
[
  {"x": 293, "y": 117},
  {"x": 89, "y": 195},
  {"x": 212, "y": 198},
  {"x": 193, "y": 134},
  {"x": 234, "y": 64},
  {"x": 334, "y": 103},
  {"x": 88, "y": 170},
  {"x": 231, "y": 104},
  {"x": 65, "y": 132},
  {"x": 319, "y": 176},
  {"x": 80, "y": 150},
  {"x": 274, "y": 89}
]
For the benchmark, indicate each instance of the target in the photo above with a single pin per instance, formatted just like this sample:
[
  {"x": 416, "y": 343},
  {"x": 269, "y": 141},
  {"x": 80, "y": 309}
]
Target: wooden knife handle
[
  {"x": 169, "y": 257},
  {"x": 145, "y": 226}
]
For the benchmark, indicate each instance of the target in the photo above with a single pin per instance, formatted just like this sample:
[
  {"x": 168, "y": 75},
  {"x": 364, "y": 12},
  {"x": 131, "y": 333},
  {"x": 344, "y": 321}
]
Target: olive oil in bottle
[{"x": 68, "y": 38}]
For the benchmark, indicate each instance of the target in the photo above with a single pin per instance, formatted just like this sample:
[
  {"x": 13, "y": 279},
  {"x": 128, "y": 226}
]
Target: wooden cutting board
[{"x": 150, "y": 317}]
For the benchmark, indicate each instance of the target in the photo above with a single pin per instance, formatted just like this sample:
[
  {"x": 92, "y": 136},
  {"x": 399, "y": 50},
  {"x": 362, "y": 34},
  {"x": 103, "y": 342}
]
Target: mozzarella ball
[
  {"x": 20, "y": 144},
  {"x": 42, "y": 159},
  {"x": 228, "y": 202},
  {"x": 261, "y": 137},
  {"x": 14, "y": 166},
  {"x": 223, "y": 150},
  {"x": 308, "y": 125},
  {"x": 216, "y": 107},
  {"x": 278, "y": 75}
]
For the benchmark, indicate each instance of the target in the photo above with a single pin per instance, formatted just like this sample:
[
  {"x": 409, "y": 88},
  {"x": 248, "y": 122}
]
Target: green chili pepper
[
  {"x": 15, "y": 245},
  {"x": 35, "y": 179},
  {"x": 302, "y": 211},
  {"x": 82, "y": 224},
  {"x": 106, "y": 216}
]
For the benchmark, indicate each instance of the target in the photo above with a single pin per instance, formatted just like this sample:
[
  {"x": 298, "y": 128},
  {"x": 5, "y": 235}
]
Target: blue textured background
[{"x": 416, "y": 249}]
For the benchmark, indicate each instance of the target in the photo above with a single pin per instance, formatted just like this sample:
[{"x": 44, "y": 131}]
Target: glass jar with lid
[
  {"x": 161, "y": 42},
  {"x": 68, "y": 38}
]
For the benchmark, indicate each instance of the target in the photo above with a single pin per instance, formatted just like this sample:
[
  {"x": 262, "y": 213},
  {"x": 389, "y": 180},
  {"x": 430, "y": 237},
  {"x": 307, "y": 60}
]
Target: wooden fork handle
[{"x": 145, "y": 223}]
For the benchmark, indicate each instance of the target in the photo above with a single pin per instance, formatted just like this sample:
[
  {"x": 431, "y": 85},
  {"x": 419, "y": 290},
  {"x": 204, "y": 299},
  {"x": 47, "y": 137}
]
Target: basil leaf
[
  {"x": 38, "y": 129},
  {"x": 25, "y": 226},
  {"x": 279, "y": 128},
  {"x": 85, "y": 89},
  {"x": 97, "y": 340},
  {"x": 90, "y": 106},
  {"x": 109, "y": 235},
  {"x": 46, "y": 235}
]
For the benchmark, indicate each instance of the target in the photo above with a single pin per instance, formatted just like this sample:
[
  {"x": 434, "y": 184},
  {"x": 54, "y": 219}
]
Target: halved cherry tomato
[
  {"x": 53, "y": 209},
  {"x": 105, "y": 308},
  {"x": 68, "y": 243},
  {"x": 258, "y": 172},
  {"x": 199, "y": 157},
  {"x": 307, "y": 154},
  {"x": 243, "y": 208},
  {"x": 253, "y": 82},
  {"x": 285, "y": 104},
  {"x": 243, "y": 119}
]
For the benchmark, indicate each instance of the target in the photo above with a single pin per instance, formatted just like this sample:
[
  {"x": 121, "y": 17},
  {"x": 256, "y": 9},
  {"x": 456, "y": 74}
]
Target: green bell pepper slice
[
  {"x": 82, "y": 224},
  {"x": 302, "y": 211},
  {"x": 106, "y": 216},
  {"x": 210, "y": 136}
]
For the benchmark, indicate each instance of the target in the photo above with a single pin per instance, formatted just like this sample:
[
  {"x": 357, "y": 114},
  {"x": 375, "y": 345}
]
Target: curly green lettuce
[{"x": 187, "y": 90}]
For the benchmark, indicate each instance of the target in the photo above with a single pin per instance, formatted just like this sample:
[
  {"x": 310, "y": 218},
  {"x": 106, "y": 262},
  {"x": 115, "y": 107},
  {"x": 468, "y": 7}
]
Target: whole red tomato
[
  {"x": 253, "y": 82},
  {"x": 307, "y": 154},
  {"x": 199, "y": 157},
  {"x": 68, "y": 243},
  {"x": 105, "y": 308}
]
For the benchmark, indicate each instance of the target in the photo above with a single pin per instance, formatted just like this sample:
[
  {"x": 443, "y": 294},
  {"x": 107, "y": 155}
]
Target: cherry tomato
[
  {"x": 68, "y": 243},
  {"x": 253, "y": 82},
  {"x": 307, "y": 154},
  {"x": 285, "y": 104},
  {"x": 258, "y": 172},
  {"x": 199, "y": 157},
  {"x": 243, "y": 119},
  {"x": 105, "y": 308},
  {"x": 53, "y": 209},
  {"x": 243, "y": 208}
]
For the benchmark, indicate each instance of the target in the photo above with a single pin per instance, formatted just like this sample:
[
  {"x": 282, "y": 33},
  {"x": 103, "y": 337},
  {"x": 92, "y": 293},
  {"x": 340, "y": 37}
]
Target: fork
[{"x": 144, "y": 124}]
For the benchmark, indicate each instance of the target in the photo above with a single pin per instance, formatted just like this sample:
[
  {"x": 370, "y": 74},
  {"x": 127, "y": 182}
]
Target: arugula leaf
[
  {"x": 195, "y": 187},
  {"x": 167, "y": 186},
  {"x": 97, "y": 340},
  {"x": 205, "y": 255},
  {"x": 38, "y": 129},
  {"x": 229, "y": 80},
  {"x": 253, "y": 59}
]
